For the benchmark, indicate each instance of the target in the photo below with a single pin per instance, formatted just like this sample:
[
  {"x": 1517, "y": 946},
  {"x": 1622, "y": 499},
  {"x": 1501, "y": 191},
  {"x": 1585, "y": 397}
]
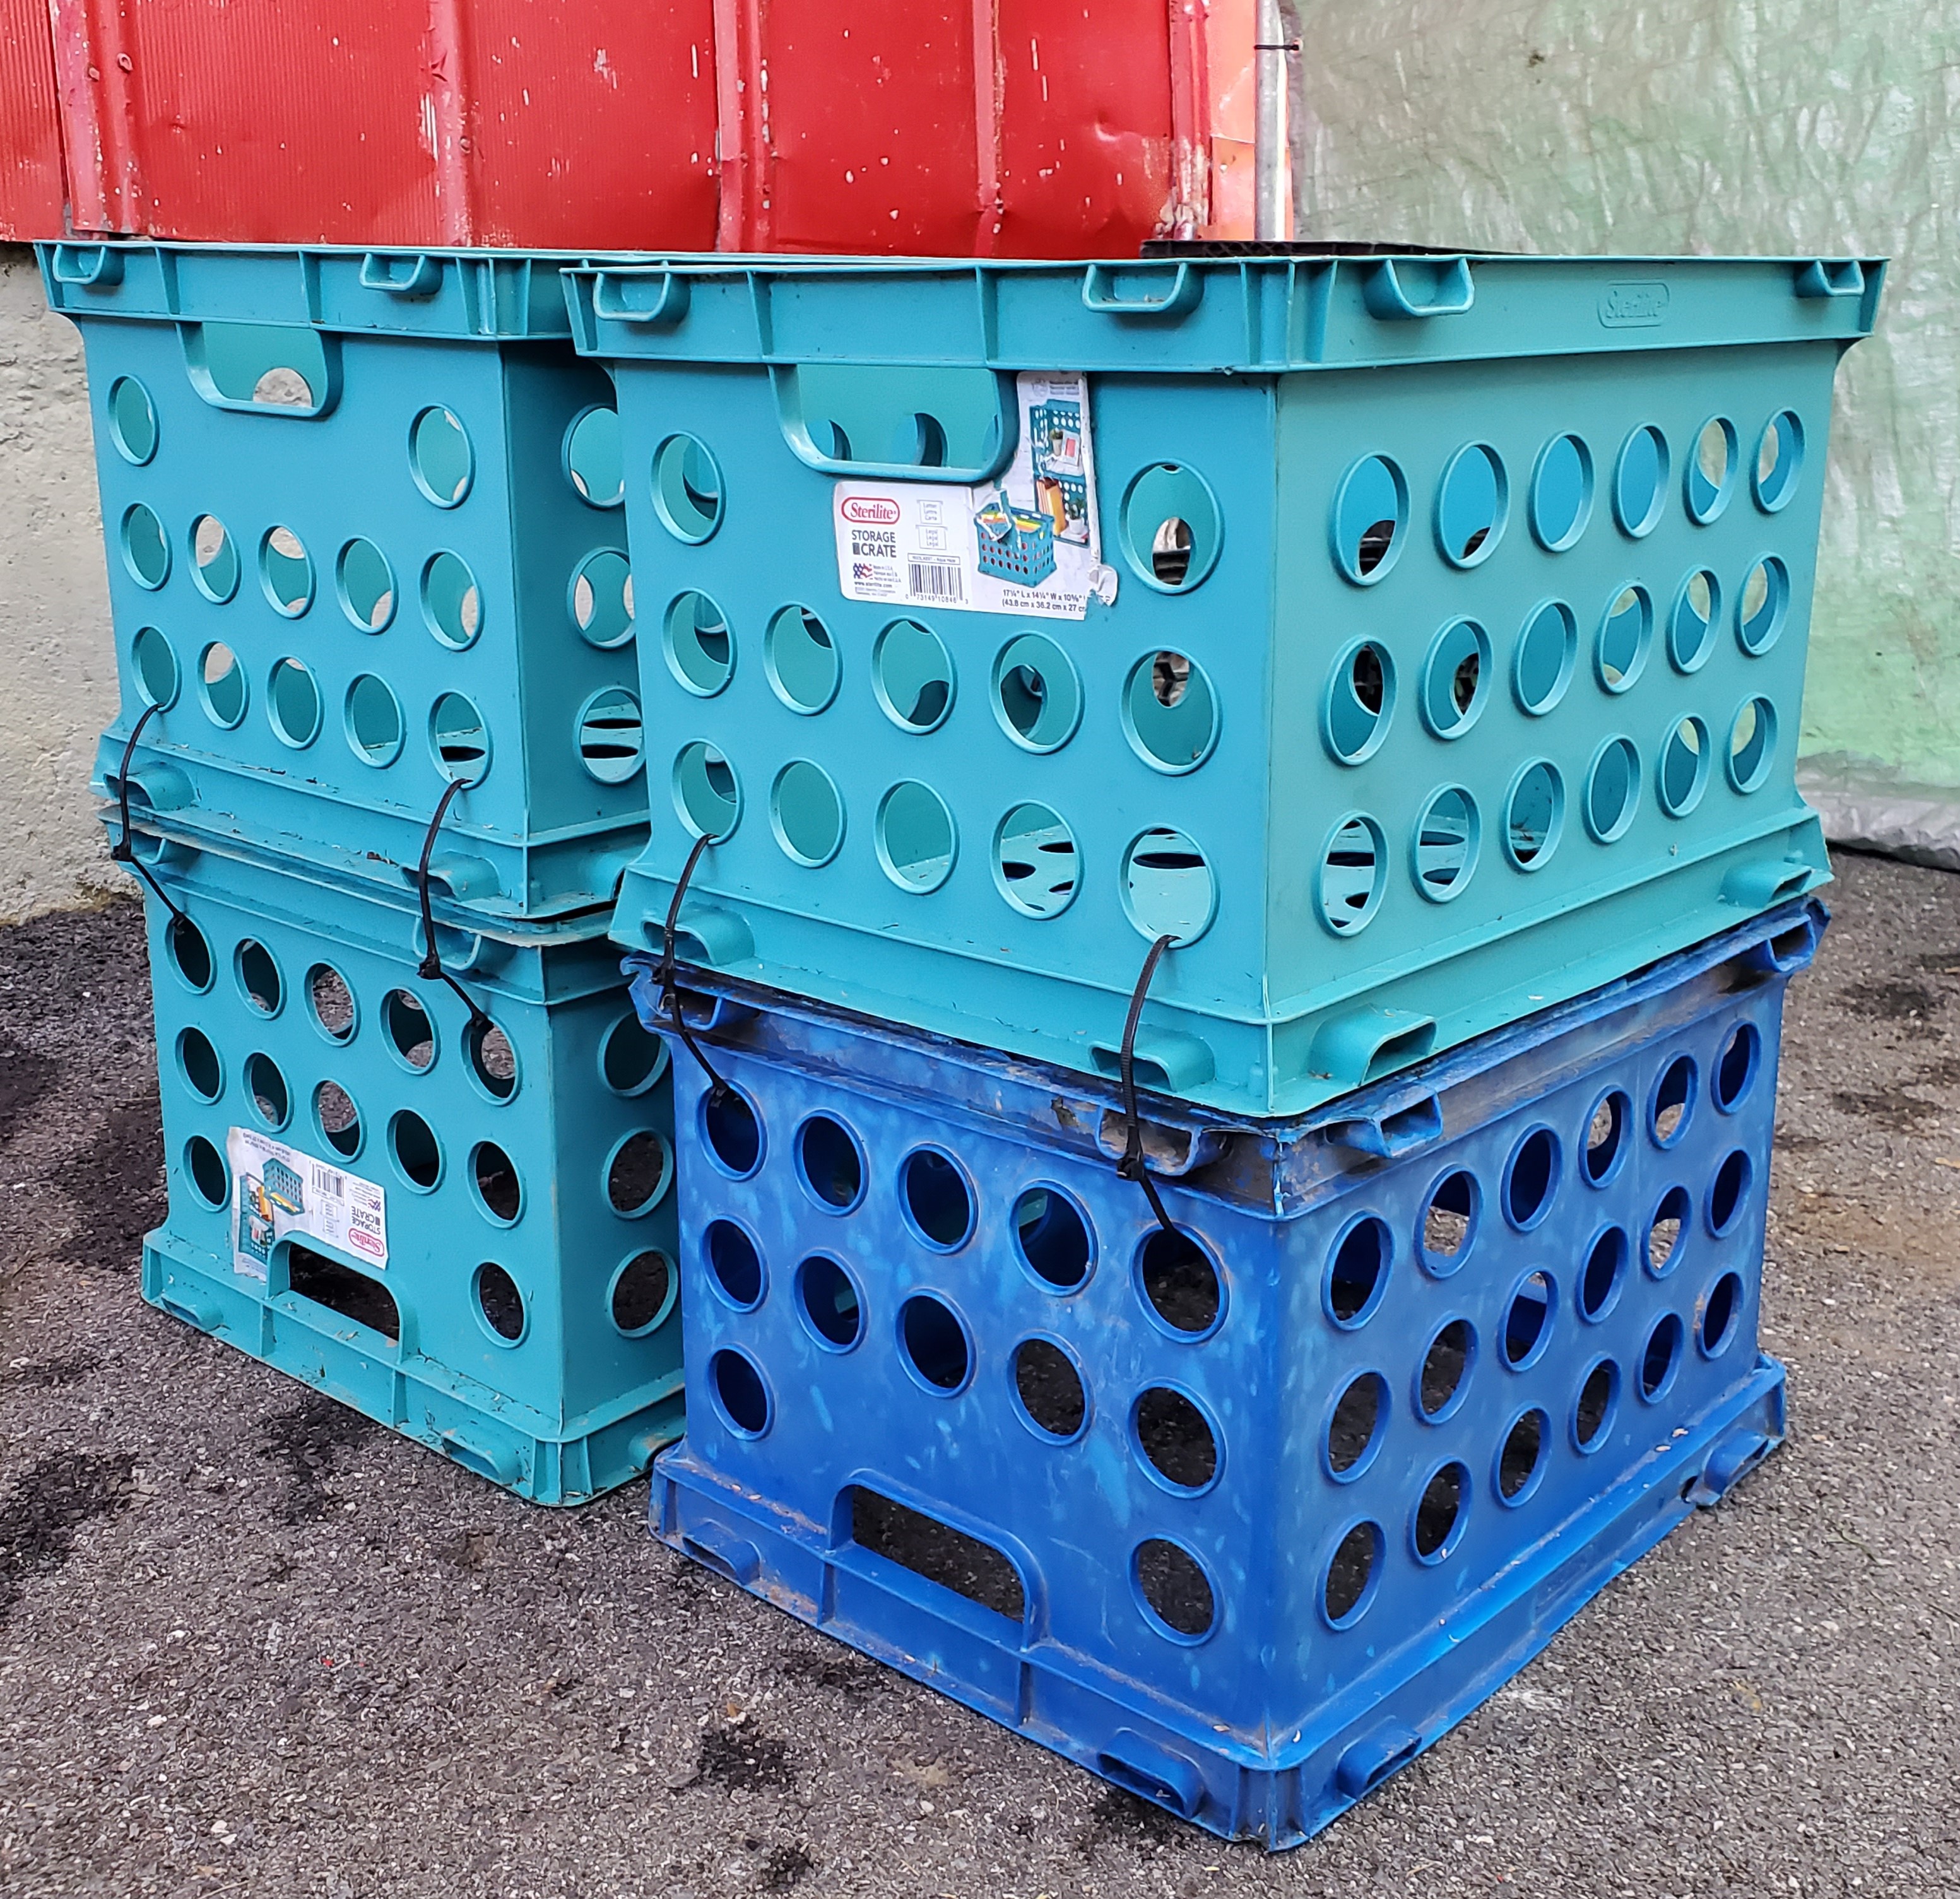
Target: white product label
[
  {"x": 276, "y": 1189},
  {"x": 1028, "y": 541}
]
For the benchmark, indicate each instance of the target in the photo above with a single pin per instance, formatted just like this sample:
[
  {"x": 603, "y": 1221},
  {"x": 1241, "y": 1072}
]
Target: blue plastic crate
[
  {"x": 465, "y": 1229},
  {"x": 1244, "y": 1514},
  {"x": 1453, "y": 666},
  {"x": 364, "y": 540}
]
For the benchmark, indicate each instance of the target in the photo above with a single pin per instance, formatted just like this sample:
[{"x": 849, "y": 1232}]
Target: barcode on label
[
  {"x": 327, "y": 1182},
  {"x": 934, "y": 580}
]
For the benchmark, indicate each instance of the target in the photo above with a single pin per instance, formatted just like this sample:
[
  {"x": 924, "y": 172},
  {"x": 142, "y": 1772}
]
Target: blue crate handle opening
[
  {"x": 87, "y": 266},
  {"x": 1002, "y": 436},
  {"x": 1098, "y": 294},
  {"x": 319, "y": 352},
  {"x": 1827, "y": 278},
  {"x": 415, "y": 276},
  {"x": 612, "y": 297},
  {"x": 1388, "y": 300}
]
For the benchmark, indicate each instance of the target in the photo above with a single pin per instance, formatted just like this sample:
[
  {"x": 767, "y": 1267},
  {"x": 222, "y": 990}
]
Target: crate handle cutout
[
  {"x": 1823, "y": 278},
  {"x": 1157, "y": 1773},
  {"x": 417, "y": 276},
  {"x": 1729, "y": 1464},
  {"x": 1363, "y": 1045},
  {"x": 929, "y": 435},
  {"x": 499, "y": 1466},
  {"x": 1099, "y": 292},
  {"x": 1369, "y": 1762},
  {"x": 1792, "y": 947},
  {"x": 1404, "y": 1131},
  {"x": 1170, "y": 1150},
  {"x": 87, "y": 266},
  {"x": 1759, "y": 886},
  {"x": 722, "y": 1551},
  {"x": 612, "y": 297},
  {"x": 263, "y": 369},
  {"x": 1453, "y": 292},
  {"x": 202, "y": 1313}
]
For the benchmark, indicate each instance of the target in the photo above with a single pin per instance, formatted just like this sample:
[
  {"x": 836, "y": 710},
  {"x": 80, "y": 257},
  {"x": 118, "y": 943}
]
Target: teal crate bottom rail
[{"x": 450, "y": 1207}]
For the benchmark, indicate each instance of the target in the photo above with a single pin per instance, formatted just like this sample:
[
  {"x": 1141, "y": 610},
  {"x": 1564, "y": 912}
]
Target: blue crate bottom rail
[{"x": 1242, "y": 1510}]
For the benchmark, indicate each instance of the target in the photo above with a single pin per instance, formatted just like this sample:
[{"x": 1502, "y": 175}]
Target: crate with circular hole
[
  {"x": 1413, "y": 641},
  {"x": 1243, "y": 1509},
  {"x": 450, "y": 1207},
  {"x": 364, "y": 543}
]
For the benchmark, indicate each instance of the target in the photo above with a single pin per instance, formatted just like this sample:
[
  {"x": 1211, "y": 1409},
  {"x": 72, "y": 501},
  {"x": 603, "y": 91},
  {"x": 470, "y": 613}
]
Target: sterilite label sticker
[
  {"x": 1028, "y": 541},
  {"x": 277, "y": 1190}
]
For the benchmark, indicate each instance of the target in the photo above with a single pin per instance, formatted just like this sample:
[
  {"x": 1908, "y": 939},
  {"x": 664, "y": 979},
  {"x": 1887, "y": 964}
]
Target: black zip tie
[
  {"x": 123, "y": 851},
  {"x": 664, "y": 974},
  {"x": 430, "y": 968},
  {"x": 1131, "y": 1166}
]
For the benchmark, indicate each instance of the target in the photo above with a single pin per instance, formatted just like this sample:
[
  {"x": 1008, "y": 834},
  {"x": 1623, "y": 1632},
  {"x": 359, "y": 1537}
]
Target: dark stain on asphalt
[
  {"x": 116, "y": 1186},
  {"x": 25, "y": 1077},
  {"x": 743, "y": 1757},
  {"x": 307, "y": 1439},
  {"x": 48, "y": 1502}
]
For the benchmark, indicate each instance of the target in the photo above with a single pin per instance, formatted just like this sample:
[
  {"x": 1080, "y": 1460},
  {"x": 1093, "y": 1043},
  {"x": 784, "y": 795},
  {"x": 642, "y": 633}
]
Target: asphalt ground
[{"x": 249, "y": 1642}]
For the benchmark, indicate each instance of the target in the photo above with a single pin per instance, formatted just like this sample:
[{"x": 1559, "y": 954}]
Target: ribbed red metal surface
[{"x": 31, "y": 197}]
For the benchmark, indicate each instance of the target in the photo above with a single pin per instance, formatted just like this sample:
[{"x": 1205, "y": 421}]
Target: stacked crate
[
  {"x": 378, "y": 760},
  {"x": 1223, "y": 1086}
]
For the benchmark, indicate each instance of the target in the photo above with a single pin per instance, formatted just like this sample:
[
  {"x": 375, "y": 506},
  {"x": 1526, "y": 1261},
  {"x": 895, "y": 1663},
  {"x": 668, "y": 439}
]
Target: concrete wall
[{"x": 57, "y": 661}]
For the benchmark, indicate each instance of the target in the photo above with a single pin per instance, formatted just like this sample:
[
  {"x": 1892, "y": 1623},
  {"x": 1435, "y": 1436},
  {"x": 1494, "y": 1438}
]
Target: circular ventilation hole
[
  {"x": 1719, "y": 1312},
  {"x": 740, "y": 1391},
  {"x": 801, "y": 659},
  {"x": 1684, "y": 767},
  {"x": 210, "y": 1179},
  {"x": 644, "y": 1291},
  {"x": 1446, "y": 837},
  {"x": 1357, "y": 1271},
  {"x": 706, "y": 792},
  {"x": 1561, "y": 493},
  {"x": 911, "y": 673},
  {"x": 733, "y": 1135},
  {"x": 156, "y": 668},
  {"x": 292, "y": 704},
  {"x": 145, "y": 551},
  {"x": 1170, "y": 714},
  {"x": 1168, "y": 887},
  {"x": 1605, "y": 1137},
  {"x": 1179, "y": 1283},
  {"x": 805, "y": 813},
  {"x": 373, "y": 719},
  {"x": 1171, "y": 527},
  {"x": 637, "y": 1175},
  {"x": 1440, "y": 1514},
  {"x": 915, "y": 838},
  {"x": 1751, "y": 745},
  {"x": 1604, "y": 1274},
  {"x": 700, "y": 649},
  {"x": 1354, "y": 1429},
  {"x": 1666, "y": 1231},
  {"x": 1527, "y": 1321},
  {"x": 440, "y": 456},
  {"x": 365, "y": 585},
  {"x": 499, "y": 1301},
  {"x": 1449, "y": 1222},
  {"x": 1174, "y": 1439},
  {"x": 266, "y": 1087},
  {"x": 611, "y": 737},
  {"x": 460, "y": 740},
  {"x": 1354, "y": 872},
  {"x": 1625, "y": 633},
  {"x": 1592, "y": 1413},
  {"x": 1360, "y": 701},
  {"x": 828, "y": 1159},
  {"x": 935, "y": 1343},
  {"x": 687, "y": 488},
  {"x": 132, "y": 421},
  {"x": 1691, "y": 626},
  {"x": 1673, "y": 1101},
  {"x": 1445, "y": 1366},
  {"x": 410, "y": 1032},
  {"x": 1612, "y": 789},
  {"x": 190, "y": 953},
  {"x": 493, "y": 1062},
  {"x": 1348, "y": 1585},
  {"x": 830, "y": 1302},
  {"x": 221, "y": 685},
  {"x": 1530, "y": 1178},
  {"x": 494, "y": 1174},
  {"x": 1533, "y": 815},
  {"x": 285, "y": 571},
  {"x": 197, "y": 1063},
  {"x": 736, "y": 1265},
  {"x": 416, "y": 1153},
  {"x": 601, "y": 599},
  {"x": 1711, "y": 469},
  {"x": 339, "y": 1118},
  {"x": 1370, "y": 511},
  {"x": 450, "y": 602},
  {"x": 1050, "y": 1388},
  {"x": 1175, "y": 1590},
  {"x": 1779, "y": 460},
  {"x": 1662, "y": 1357},
  {"x": 593, "y": 463},
  {"x": 1735, "y": 1068},
  {"x": 1548, "y": 651},
  {"x": 1052, "y": 1238},
  {"x": 1472, "y": 504},
  {"x": 631, "y": 1060},
  {"x": 1639, "y": 482},
  {"x": 1729, "y": 1193},
  {"x": 1034, "y": 860},
  {"x": 214, "y": 559},
  {"x": 1520, "y": 1460},
  {"x": 938, "y": 1198},
  {"x": 1037, "y": 697},
  {"x": 1455, "y": 679},
  {"x": 258, "y": 979},
  {"x": 1763, "y": 604}
]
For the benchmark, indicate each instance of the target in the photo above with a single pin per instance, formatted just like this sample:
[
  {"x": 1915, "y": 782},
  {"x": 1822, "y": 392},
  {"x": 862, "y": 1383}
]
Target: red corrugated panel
[{"x": 31, "y": 197}]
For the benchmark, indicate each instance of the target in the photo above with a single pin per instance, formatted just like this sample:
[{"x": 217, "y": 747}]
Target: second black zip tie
[
  {"x": 1132, "y": 1166},
  {"x": 664, "y": 973},
  {"x": 430, "y": 968},
  {"x": 124, "y": 850}
]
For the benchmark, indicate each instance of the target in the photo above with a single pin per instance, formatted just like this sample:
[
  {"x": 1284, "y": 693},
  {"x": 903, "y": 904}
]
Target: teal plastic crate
[
  {"x": 364, "y": 540},
  {"x": 1451, "y": 664},
  {"x": 464, "y": 1227}
]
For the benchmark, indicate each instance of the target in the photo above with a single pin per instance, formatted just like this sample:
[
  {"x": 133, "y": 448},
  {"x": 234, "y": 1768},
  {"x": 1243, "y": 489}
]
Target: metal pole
[{"x": 1269, "y": 152}]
